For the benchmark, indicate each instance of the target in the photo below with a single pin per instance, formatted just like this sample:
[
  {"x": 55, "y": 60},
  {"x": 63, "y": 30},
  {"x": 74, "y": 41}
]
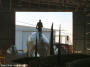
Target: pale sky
[{"x": 63, "y": 18}]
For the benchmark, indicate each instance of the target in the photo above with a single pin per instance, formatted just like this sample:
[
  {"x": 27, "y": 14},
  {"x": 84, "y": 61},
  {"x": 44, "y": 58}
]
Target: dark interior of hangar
[{"x": 81, "y": 14}]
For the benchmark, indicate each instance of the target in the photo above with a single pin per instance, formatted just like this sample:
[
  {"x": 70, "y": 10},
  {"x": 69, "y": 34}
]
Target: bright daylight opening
[{"x": 26, "y": 24}]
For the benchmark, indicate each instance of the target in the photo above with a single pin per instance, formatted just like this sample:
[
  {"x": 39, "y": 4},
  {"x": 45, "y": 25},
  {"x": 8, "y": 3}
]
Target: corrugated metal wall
[
  {"x": 7, "y": 28},
  {"x": 79, "y": 32}
]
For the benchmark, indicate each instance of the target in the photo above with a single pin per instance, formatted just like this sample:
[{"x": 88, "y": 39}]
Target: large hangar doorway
[
  {"x": 26, "y": 24},
  {"x": 80, "y": 11}
]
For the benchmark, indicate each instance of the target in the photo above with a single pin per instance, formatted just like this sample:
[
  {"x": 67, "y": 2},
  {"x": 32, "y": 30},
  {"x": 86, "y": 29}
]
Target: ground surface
[{"x": 74, "y": 60}]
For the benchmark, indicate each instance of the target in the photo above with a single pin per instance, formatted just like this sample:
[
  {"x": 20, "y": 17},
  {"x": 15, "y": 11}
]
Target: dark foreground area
[{"x": 74, "y": 60}]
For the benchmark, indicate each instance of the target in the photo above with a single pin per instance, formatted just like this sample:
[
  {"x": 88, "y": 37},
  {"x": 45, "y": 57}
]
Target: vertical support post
[
  {"x": 36, "y": 47},
  {"x": 59, "y": 46},
  {"x": 51, "y": 42}
]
